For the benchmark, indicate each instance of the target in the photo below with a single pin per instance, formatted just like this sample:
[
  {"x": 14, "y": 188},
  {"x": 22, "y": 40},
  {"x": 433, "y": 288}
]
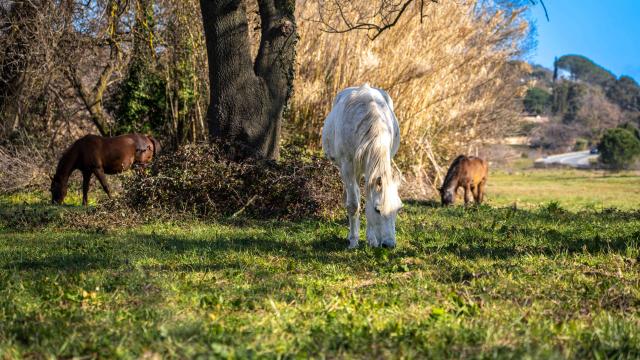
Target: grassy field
[
  {"x": 557, "y": 276},
  {"x": 572, "y": 189}
]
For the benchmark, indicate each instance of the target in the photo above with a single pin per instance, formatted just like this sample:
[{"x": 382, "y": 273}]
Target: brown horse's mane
[
  {"x": 453, "y": 171},
  {"x": 65, "y": 164}
]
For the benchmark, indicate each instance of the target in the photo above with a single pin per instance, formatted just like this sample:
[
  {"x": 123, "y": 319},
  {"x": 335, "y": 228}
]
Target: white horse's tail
[{"x": 373, "y": 157}]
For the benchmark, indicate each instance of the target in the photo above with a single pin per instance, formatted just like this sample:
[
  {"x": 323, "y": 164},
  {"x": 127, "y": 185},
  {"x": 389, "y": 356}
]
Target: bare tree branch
[
  {"x": 386, "y": 15},
  {"x": 341, "y": 16}
]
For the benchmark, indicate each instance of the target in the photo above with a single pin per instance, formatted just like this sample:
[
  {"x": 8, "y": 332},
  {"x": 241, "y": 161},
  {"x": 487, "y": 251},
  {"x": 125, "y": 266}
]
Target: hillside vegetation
[{"x": 583, "y": 100}]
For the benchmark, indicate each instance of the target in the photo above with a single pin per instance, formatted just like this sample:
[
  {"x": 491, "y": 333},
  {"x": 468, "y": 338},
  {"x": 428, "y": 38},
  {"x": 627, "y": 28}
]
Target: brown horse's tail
[{"x": 453, "y": 170}]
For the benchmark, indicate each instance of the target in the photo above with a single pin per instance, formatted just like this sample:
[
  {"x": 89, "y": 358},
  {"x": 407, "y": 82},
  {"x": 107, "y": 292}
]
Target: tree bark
[
  {"x": 248, "y": 97},
  {"x": 15, "y": 19}
]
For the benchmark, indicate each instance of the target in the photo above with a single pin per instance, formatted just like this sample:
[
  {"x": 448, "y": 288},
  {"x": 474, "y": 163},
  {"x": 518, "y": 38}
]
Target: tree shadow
[
  {"x": 500, "y": 245},
  {"x": 324, "y": 242},
  {"x": 326, "y": 247},
  {"x": 424, "y": 203}
]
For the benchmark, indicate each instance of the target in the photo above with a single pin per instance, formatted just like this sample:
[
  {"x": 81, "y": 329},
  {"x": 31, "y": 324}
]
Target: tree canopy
[
  {"x": 626, "y": 93},
  {"x": 537, "y": 101},
  {"x": 584, "y": 69}
]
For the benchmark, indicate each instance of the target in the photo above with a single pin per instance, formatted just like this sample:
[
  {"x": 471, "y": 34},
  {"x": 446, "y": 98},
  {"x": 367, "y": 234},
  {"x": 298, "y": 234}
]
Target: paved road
[{"x": 579, "y": 159}]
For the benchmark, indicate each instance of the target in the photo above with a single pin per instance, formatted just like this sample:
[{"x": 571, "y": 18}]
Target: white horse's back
[
  {"x": 361, "y": 136},
  {"x": 354, "y": 107}
]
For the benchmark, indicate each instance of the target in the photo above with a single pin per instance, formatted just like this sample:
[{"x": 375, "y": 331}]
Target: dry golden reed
[{"x": 451, "y": 75}]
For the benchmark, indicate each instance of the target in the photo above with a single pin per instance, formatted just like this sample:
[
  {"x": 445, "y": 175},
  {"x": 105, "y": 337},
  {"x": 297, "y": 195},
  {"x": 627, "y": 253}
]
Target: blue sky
[{"x": 607, "y": 32}]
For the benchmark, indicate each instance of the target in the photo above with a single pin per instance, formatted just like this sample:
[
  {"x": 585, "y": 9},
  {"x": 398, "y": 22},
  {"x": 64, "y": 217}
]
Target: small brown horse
[
  {"x": 99, "y": 155},
  {"x": 468, "y": 172}
]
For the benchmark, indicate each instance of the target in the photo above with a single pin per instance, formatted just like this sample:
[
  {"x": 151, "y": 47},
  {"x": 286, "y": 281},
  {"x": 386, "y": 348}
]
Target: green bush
[
  {"x": 632, "y": 128},
  {"x": 581, "y": 144},
  {"x": 140, "y": 101},
  {"x": 619, "y": 148},
  {"x": 537, "y": 101}
]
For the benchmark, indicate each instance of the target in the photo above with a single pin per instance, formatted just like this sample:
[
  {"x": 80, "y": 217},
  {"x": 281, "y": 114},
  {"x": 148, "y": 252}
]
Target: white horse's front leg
[{"x": 352, "y": 203}]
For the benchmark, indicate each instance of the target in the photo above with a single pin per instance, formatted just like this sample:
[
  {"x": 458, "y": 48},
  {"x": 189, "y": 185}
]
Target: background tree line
[
  {"x": 583, "y": 100},
  {"x": 101, "y": 66},
  {"x": 113, "y": 66}
]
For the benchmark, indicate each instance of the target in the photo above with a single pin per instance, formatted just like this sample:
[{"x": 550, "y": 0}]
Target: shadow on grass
[
  {"x": 556, "y": 245},
  {"x": 34, "y": 216},
  {"x": 227, "y": 252},
  {"x": 67, "y": 263},
  {"x": 523, "y": 232},
  {"x": 423, "y": 203}
]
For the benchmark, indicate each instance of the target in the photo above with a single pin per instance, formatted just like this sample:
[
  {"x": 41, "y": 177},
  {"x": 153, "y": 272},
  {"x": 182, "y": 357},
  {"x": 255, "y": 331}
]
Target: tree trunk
[
  {"x": 247, "y": 97},
  {"x": 15, "y": 20}
]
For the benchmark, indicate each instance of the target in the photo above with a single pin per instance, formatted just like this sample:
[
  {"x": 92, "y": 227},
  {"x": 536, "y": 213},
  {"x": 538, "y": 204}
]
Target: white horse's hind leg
[{"x": 352, "y": 202}]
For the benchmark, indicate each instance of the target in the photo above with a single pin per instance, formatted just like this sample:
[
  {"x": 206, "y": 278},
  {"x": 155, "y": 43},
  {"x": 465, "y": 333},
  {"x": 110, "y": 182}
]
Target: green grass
[
  {"x": 483, "y": 282},
  {"x": 572, "y": 189}
]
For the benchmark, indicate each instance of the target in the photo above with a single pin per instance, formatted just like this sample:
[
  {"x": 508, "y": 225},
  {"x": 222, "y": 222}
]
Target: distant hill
[{"x": 582, "y": 99}]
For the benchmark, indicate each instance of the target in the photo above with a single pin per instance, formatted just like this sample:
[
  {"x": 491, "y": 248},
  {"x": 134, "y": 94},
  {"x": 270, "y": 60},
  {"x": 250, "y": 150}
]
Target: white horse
[{"x": 360, "y": 136}]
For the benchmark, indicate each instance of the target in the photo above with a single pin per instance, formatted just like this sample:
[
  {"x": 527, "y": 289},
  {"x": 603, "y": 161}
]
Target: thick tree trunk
[
  {"x": 247, "y": 97},
  {"x": 15, "y": 19}
]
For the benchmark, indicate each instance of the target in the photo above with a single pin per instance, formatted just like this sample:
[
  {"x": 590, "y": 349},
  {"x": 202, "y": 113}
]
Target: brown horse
[
  {"x": 99, "y": 155},
  {"x": 468, "y": 172}
]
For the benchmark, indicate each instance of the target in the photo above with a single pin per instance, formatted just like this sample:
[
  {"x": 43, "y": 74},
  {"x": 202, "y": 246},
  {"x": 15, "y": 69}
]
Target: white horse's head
[{"x": 382, "y": 209}]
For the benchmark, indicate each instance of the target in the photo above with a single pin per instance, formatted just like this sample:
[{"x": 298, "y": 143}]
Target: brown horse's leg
[
  {"x": 476, "y": 194},
  {"x": 103, "y": 181},
  {"x": 467, "y": 193},
  {"x": 481, "y": 191},
  {"x": 86, "y": 178}
]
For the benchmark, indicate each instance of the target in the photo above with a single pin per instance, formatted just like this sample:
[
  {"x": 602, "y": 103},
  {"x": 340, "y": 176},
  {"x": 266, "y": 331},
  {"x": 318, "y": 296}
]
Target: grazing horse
[
  {"x": 468, "y": 172},
  {"x": 361, "y": 136},
  {"x": 99, "y": 155}
]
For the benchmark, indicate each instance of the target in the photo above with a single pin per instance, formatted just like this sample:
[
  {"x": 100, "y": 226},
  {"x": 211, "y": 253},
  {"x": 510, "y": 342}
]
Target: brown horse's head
[
  {"x": 448, "y": 189},
  {"x": 447, "y": 196},
  {"x": 58, "y": 190}
]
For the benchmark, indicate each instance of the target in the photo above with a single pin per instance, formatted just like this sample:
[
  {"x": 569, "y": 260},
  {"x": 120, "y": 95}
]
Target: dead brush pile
[
  {"x": 201, "y": 180},
  {"x": 21, "y": 170}
]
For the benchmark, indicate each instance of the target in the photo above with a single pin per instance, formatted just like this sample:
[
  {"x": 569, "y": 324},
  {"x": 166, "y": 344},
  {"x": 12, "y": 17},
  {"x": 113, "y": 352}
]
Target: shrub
[
  {"x": 618, "y": 148},
  {"x": 200, "y": 179},
  {"x": 632, "y": 128},
  {"x": 537, "y": 101},
  {"x": 581, "y": 144},
  {"x": 21, "y": 169}
]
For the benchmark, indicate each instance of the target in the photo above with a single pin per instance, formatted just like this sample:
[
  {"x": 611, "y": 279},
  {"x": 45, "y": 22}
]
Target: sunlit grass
[
  {"x": 572, "y": 189},
  {"x": 481, "y": 282}
]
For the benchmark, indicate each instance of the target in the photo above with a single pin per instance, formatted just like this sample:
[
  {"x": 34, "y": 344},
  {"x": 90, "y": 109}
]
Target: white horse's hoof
[
  {"x": 353, "y": 244},
  {"x": 388, "y": 245}
]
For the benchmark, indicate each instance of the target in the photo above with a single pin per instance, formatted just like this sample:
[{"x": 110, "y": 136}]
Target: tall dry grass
[{"x": 451, "y": 76}]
